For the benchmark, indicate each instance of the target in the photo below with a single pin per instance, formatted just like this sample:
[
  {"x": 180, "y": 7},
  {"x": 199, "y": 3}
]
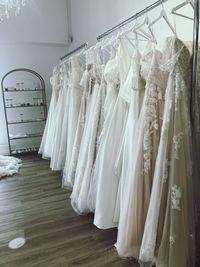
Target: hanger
[
  {"x": 138, "y": 29},
  {"x": 173, "y": 11},
  {"x": 164, "y": 16}
]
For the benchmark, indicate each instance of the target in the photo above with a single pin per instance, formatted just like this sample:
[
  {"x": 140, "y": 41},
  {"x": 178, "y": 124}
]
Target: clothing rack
[
  {"x": 121, "y": 24},
  {"x": 195, "y": 42},
  {"x": 74, "y": 51}
]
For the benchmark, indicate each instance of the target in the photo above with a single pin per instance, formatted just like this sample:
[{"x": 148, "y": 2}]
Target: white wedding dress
[
  {"x": 88, "y": 148},
  {"x": 107, "y": 181},
  {"x": 9, "y": 166},
  {"x": 59, "y": 145},
  {"x": 74, "y": 109},
  {"x": 111, "y": 76},
  {"x": 47, "y": 138},
  {"x": 86, "y": 84}
]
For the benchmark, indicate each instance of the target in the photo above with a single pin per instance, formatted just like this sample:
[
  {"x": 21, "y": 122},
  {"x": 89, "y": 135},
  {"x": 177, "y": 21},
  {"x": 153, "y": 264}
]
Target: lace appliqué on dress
[
  {"x": 177, "y": 143},
  {"x": 172, "y": 239},
  {"x": 165, "y": 173},
  {"x": 175, "y": 197},
  {"x": 151, "y": 123}
]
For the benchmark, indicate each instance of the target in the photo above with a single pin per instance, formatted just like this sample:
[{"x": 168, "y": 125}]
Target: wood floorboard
[{"x": 35, "y": 206}]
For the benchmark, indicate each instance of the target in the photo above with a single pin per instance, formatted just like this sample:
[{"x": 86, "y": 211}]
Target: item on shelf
[
  {"x": 21, "y": 116},
  {"x": 11, "y": 102},
  {"x": 17, "y": 86},
  {"x": 22, "y": 86},
  {"x": 6, "y": 89},
  {"x": 28, "y": 104}
]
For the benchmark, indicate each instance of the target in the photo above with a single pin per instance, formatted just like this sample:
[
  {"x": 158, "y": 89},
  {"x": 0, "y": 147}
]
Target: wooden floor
[{"x": 33, "y": 205}]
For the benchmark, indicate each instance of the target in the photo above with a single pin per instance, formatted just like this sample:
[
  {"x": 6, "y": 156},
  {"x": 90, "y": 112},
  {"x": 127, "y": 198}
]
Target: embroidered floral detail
[
  {"x": 175, "y": 197},
  {"x": 151, "y": 123},
  {"x": 172, "y": 240},
  {"x": 177, "y": 143}
]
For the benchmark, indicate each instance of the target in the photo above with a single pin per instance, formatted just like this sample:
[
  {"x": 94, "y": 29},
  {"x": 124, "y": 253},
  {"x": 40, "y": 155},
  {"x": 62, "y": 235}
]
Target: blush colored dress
[
  {"x": 169, "y": 235},
  {"x": 142, "y": 137}
]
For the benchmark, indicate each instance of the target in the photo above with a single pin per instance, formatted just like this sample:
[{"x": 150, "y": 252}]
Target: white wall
[
  {"x": 92, "y": 17},
  {"x": 35, "y": 39}
]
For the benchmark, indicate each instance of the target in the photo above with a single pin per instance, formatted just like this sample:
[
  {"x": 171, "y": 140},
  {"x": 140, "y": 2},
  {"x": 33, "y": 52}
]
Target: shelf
[
  {"x": 29, "y": 93},
  {"x": 24, "y": 150},
  {"x": 17, "y": 122},
  {"x": 17, "y": 91},
  {"x": 24, "y": 137},
  {"x": 31, "y": 106}
]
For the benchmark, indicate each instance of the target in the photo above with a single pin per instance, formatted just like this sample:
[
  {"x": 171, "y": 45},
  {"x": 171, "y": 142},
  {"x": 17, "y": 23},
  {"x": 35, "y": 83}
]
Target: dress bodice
[
  {"x": 111, "y": 72},
  {"x": 124, "y": 61},
  {"x": 55, "y": 79},
  {"x": 64, "y": 76},
  {"x": 151, "y": 71}
]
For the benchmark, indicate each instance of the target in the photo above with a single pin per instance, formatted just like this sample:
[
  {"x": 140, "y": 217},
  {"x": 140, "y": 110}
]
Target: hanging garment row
[{"x": 120, "y": 129}]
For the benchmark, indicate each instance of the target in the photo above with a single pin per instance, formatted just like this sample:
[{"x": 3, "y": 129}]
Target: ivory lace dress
[
  {"x": 74, "y": 109},
  {"x": 60, "y": 124},
  {"x": 111, "y": 76},
  {"x": 138, "y": 167},
  {"x": 88, "y": 148},
  {"x": 86, "y": 84},
  {"x": 169, "y": 238},
  {"x": 47, "y": 138}
]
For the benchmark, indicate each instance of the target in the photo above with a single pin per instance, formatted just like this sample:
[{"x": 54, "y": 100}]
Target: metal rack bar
[
  {"x": 195, "y": 59},
  {"x": 24, "y": 137},
  {"x": 17, "y": 122},
  {"x": 74, "y": 51},
  {"x": 142, "y": 12},
  {"x": 17, "y": 91},
  {"x": 30, "y": 106}
]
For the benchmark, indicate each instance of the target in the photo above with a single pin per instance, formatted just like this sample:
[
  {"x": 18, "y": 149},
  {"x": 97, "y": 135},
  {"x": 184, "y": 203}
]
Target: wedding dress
[
  {"x": 142, "y": 137},
  {"x": 111, "y": 76},
  {"x": 47, "y": 138},
  {"x": 169, "y": 236},
  {"x": 59, "y": 145},
  {"x": 107, "y": 181},
  {"x": 86, "y": 84},
  {"x": 9, "y": 166},
  {"x": 88, "y": 148},
  {"x": 74, "y": 109}
]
